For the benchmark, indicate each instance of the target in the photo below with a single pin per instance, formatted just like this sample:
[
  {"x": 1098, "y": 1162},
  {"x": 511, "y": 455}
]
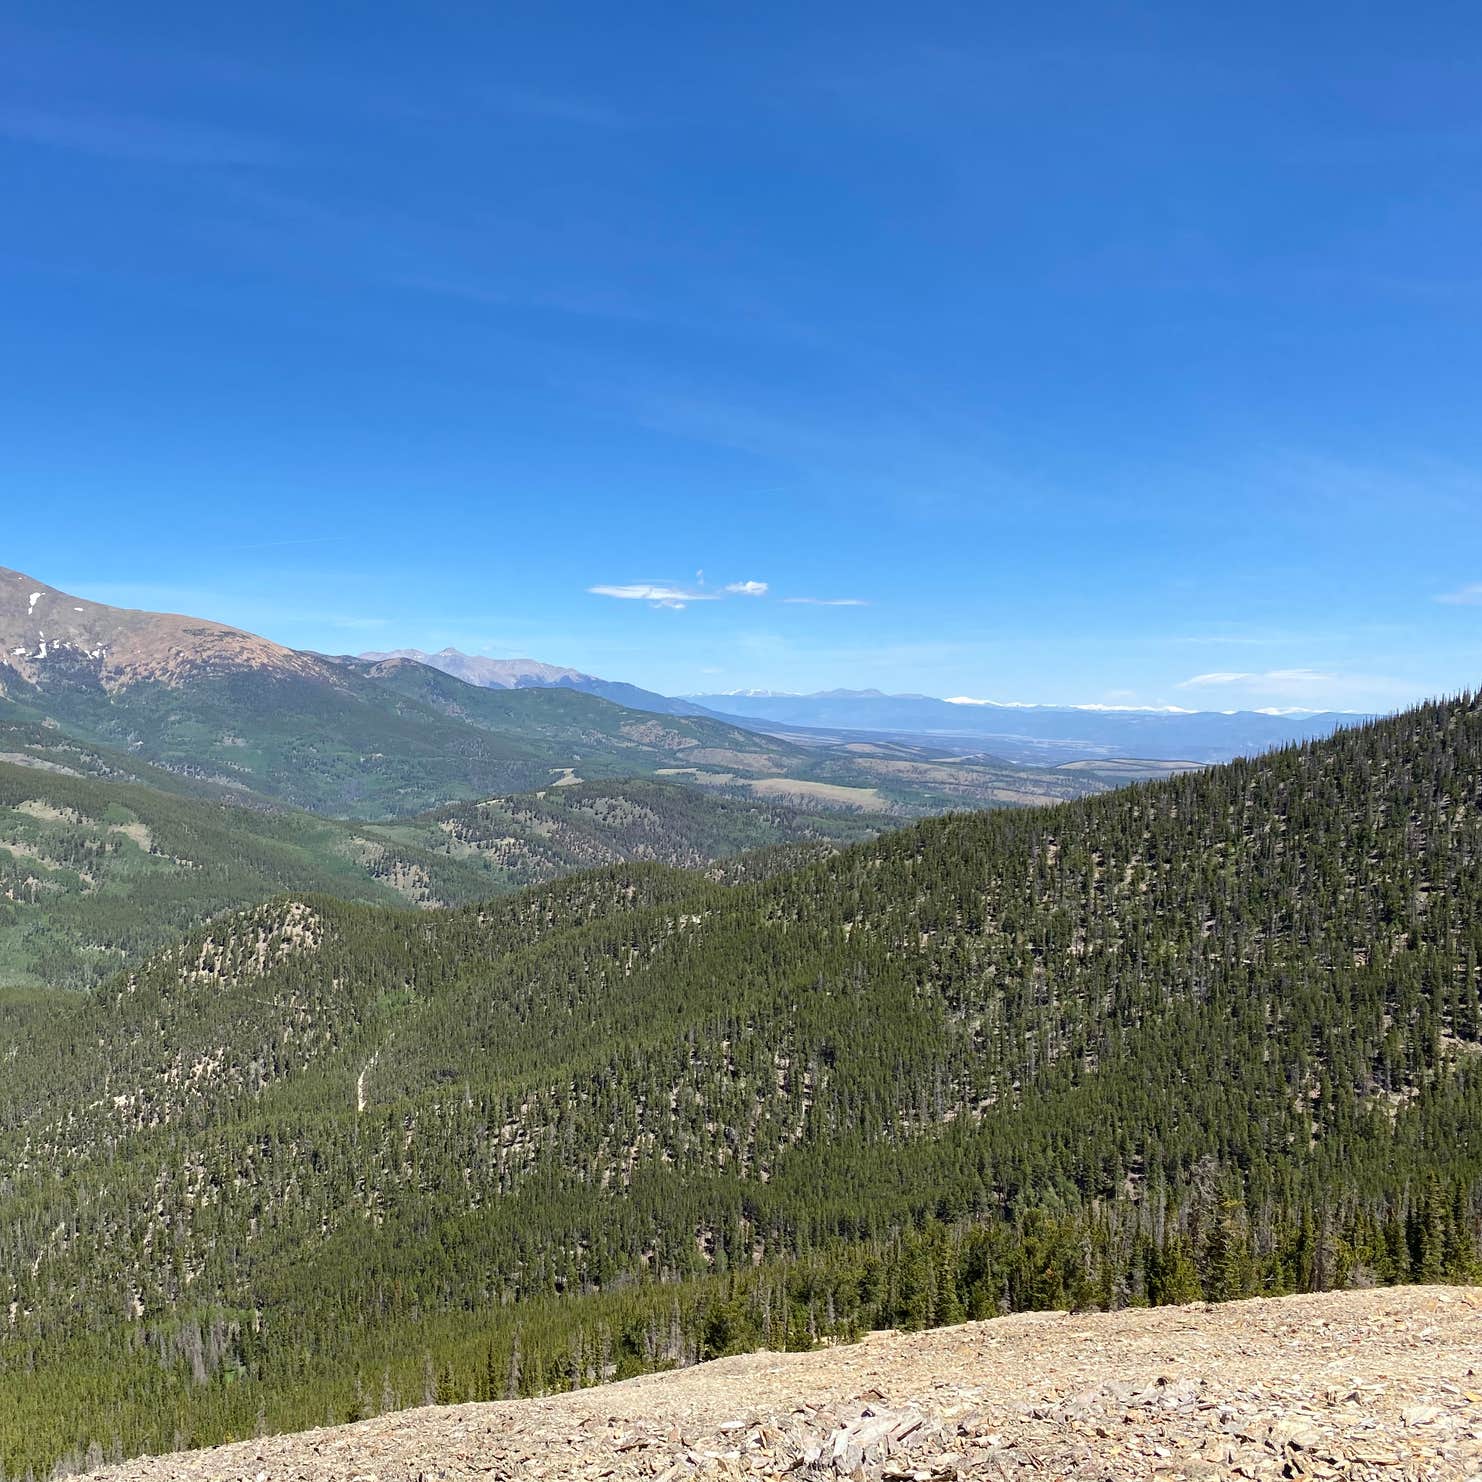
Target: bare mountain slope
[
  {"x": 48, "y": 636},
  {"x": 1376, "y": 1383}
]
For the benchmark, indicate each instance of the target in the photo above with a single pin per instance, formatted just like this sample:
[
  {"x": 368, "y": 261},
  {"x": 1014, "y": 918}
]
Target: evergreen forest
[{"x": 315, "y": 1158}]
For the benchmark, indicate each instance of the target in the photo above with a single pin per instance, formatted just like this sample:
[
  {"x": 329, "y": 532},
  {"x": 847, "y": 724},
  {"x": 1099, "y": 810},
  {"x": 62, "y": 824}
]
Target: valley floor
[{"x": 1378, "y": 1383}]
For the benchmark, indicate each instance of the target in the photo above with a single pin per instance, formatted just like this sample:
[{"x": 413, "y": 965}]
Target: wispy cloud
[
  {"x": 1316, "y": 481},
  {"x": 590, "y": 113},
  {"x": 134, "y": 137},
  {"x": 748, "y": 588},
  {"x": 1270, "y": 676},
  {"x": 1467, "y": 596},
  {"x": 1283, "y": 690},
  {"x": 827, "y": 601},
  {"x": 657, "y": 594}
]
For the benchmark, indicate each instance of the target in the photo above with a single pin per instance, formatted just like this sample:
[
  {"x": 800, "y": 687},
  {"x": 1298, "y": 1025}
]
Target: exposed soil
[{"x": 1380, "y": 1383}]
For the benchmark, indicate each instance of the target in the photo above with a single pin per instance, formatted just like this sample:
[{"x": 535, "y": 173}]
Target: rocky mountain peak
[
  {"x": 50, "y": 637},
  {"x": 487, "y": 673}
]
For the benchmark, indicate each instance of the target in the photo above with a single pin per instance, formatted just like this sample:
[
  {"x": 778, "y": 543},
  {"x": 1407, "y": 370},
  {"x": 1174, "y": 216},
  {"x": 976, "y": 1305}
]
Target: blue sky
[{"x": 1091, "y": 354}]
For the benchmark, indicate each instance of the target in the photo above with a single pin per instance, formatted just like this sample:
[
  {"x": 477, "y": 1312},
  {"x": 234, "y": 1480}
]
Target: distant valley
[
  {"x": 1043, "y": 736},
  {"x": 1035, "y": 735}
]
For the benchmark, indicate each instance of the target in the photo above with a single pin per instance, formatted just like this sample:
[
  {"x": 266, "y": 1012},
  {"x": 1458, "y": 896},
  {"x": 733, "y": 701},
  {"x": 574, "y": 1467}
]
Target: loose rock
[{"x": 1350, "y": 1385}]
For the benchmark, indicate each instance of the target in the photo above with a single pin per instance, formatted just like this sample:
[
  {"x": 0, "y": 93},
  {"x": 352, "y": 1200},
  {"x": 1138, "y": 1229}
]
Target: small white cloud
[
  {"x": 1467, "y": 596},
  {"x": 657, "y": 594},
  {"x": 827, "y": 601},
  {"x": 748, "y": 588}
]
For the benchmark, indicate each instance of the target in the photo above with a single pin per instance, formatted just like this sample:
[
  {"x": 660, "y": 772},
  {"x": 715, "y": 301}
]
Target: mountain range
[
  {"x": 1038, "y": 735},
  {"x": 1029, "y": 735},
  {"x": 364, "y": 738},
  {"x": 513, "y": 674},
  {"x": 1213, "y": 1036},
  {"x": 365, "y": 735}
]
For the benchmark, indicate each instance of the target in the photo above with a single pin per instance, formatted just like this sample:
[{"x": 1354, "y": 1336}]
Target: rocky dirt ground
[{"x": 1381, "y": 1383}]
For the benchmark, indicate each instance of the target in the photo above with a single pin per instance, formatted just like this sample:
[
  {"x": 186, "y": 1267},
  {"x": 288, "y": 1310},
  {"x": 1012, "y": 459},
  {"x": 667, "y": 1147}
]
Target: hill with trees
[
  {"x": 1205, "y": 1037},
  {"x": 95, "y": 873}
]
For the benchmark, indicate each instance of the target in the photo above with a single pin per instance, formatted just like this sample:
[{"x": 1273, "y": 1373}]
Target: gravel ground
[{"x": 1381, "y": 1383}]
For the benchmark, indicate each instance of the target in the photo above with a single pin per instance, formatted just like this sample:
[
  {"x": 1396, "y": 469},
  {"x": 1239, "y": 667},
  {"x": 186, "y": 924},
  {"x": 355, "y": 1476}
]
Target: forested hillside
[
  {"x": 1202, "y": 1037},
  {"x": 96, "y": 873},
  {"x": 530, "y": 838},
  {"x": 28, "y": 742},
  {"x": 385, "y": 740}
]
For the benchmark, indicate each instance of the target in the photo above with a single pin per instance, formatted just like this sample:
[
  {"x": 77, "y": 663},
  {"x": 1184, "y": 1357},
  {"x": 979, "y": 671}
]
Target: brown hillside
[{"x": 46, "y": 635}]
